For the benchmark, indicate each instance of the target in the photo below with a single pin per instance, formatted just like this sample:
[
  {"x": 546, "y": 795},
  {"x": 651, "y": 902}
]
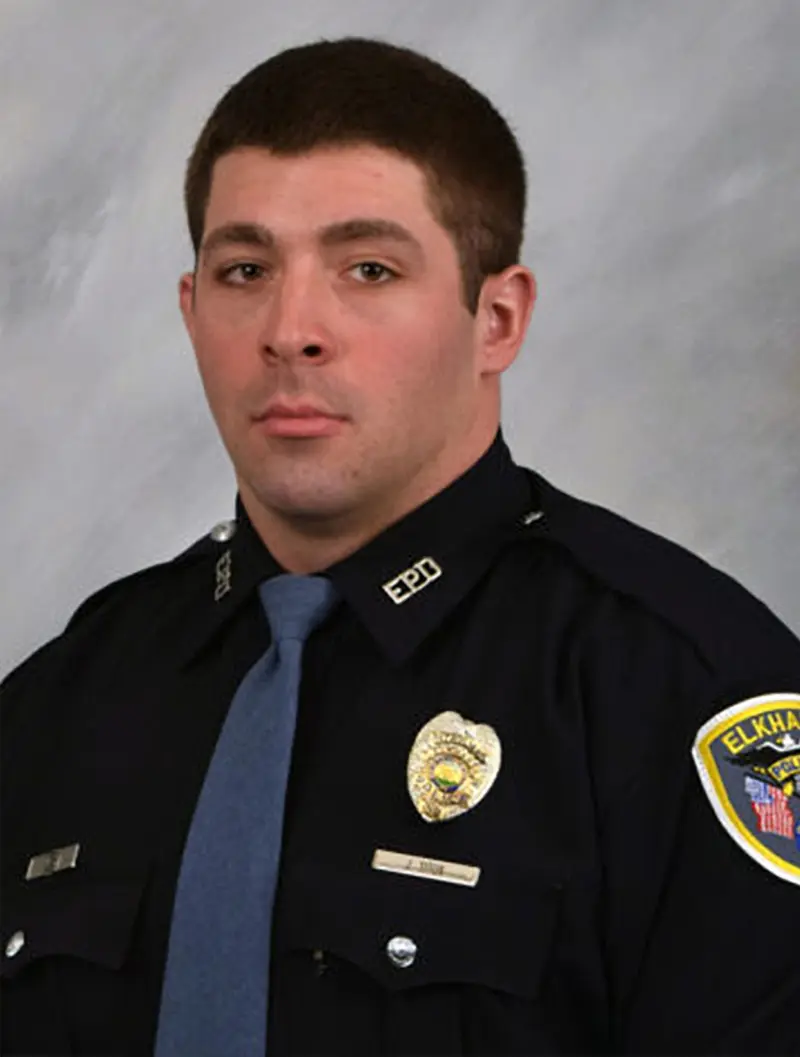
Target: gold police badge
[
  {"x": 748, "y": 758},
  {"x": 452, "y": 766}
]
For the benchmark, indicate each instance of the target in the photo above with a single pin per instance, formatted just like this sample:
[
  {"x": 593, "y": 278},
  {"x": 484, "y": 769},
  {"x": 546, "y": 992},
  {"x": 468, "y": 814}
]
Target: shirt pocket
[
  {"x": 458, "y": 969},
  {"x": 92, "y": 921},
  {"x": 65, "y": 942}
]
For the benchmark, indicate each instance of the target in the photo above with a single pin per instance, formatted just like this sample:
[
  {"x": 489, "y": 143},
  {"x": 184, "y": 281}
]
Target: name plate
[
  {"x": 50, "y": 862},
  {"x": 456, "y": 873}
]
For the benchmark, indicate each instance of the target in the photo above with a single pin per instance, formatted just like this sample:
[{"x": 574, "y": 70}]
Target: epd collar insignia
[
  {"x": 452, "y": 766},
  {"x": 749, "y": 761}
]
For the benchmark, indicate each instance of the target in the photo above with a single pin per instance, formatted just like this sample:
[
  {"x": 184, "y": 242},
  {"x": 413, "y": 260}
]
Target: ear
[
  {"x": 504, "y": 310},
  {"x": 186, "y": 293}
]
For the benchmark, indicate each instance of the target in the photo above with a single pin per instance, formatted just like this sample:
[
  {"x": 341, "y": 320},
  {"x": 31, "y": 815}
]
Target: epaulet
[
  {"x": 116, "y": 588},
  {"x": 713, "y": 610}
]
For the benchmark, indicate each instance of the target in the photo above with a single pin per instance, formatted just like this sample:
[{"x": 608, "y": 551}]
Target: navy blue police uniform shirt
[{"x": 638, "y": 850}]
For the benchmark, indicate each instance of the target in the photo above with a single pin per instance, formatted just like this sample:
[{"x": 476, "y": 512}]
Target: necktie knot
[{"x": 295, "y": 605}]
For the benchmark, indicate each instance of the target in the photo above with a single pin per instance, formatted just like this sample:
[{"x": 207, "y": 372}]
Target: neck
[{"x": 305, "y": 545}]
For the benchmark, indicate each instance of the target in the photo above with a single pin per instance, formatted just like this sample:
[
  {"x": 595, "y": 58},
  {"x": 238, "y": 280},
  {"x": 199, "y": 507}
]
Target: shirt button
[
  {"x": 223, "y": 531},
  {"x": 15, "y": 944},
  {"x": 401, "y": 951}
]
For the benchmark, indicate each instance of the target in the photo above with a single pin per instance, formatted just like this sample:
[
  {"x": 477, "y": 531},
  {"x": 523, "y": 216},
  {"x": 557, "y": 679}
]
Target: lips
[{"x": 298, "y": 420}]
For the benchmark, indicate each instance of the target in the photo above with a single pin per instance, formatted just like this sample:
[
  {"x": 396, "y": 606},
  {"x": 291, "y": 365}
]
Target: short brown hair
[{"x": 359, "y": 91}]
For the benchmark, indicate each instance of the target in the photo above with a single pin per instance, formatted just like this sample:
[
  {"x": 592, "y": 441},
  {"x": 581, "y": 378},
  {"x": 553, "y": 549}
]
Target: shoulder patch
[{"x": 748, "y": 758}]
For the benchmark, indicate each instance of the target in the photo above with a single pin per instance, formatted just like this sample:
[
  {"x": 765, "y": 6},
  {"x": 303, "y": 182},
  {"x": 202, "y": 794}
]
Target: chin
[{"x": 306, "y": 500}]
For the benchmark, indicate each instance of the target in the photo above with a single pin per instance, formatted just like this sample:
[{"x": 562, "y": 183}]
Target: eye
[
  {"x": 247, "y": 271},
  {"x": 372, "y": 265}
]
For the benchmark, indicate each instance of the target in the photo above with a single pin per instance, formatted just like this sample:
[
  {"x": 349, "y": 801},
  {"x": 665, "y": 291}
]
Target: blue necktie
[{"x": 214, "y": 997}]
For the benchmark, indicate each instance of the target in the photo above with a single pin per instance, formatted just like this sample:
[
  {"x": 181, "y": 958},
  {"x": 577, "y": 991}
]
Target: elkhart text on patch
[{"x": 749, "y": 761}]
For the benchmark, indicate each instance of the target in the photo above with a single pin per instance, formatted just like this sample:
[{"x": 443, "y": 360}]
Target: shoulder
[
  {"x": 143, "y": 583},
  {"x": 724, "y": 623},
  {"x": 119, "y": 602}
]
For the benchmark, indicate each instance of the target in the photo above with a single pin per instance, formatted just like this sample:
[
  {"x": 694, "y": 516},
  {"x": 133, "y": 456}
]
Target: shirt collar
[{"x": 402, "y": 584}]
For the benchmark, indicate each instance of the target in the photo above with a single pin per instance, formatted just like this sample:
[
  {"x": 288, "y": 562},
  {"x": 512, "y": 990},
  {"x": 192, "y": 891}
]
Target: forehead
[{"x": 330, "y": 183}]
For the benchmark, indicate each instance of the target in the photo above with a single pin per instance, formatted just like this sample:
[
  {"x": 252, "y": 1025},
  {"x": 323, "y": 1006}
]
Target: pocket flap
[
  {"x": 500, "y": 938},
  {"x": 92, "y": 920}
]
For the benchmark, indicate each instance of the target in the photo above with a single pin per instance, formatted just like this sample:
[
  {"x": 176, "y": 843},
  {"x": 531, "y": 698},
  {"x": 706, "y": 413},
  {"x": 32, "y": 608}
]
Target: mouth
[{"x": 301, "y": 420}]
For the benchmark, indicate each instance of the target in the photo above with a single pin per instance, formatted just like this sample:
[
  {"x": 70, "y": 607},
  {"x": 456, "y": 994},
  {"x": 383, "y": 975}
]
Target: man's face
[{"x": 367, "y": 328}]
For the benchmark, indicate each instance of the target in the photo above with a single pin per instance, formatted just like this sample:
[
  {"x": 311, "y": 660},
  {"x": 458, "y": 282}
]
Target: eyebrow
[{"x": 356, "y": 229}]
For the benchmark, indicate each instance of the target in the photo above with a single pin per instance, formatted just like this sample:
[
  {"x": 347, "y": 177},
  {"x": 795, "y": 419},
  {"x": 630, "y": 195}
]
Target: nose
[{"x": 293, "y": 329}]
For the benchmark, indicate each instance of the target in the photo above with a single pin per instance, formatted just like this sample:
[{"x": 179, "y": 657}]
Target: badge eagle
[{"x": 748, "y": 758}]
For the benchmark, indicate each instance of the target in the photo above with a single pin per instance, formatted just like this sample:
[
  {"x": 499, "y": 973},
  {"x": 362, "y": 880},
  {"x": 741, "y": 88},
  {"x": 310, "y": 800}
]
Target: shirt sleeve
[{"x": 701, "y": 937}]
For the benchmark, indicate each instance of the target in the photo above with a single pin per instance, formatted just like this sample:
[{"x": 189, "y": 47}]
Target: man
[{"x": 543, "y": 790}]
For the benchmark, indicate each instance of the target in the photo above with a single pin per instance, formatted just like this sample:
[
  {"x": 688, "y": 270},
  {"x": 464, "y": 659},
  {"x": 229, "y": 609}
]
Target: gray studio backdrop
[{"x": 661, "y": 373}]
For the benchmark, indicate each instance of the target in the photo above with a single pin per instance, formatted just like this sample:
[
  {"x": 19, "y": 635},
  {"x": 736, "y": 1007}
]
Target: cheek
[
  {"x": 388, "y": 375},
  {"x": 221, "y": 363},
  {"x": 408, "y": 383}
]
